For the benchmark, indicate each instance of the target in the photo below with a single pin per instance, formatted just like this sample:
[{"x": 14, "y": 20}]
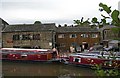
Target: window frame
[
  {"x": 94, "y": 35},
  {"x": 72, "y": 36},
  {"x": 84, "y": 35},
  {"x": 16, "y": 37},
  {"x": 61, "y": 35}
]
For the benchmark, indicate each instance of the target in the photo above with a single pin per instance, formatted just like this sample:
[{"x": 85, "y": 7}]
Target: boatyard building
[{"x": 48, "y": 35}]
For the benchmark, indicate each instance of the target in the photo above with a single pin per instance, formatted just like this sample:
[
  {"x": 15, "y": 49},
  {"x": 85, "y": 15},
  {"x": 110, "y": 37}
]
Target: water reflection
[{"x": 43, "y": 69}]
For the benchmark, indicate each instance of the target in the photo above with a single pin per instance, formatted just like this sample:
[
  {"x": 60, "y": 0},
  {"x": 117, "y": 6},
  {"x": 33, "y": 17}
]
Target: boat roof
[{"x": 21, "y": 49}]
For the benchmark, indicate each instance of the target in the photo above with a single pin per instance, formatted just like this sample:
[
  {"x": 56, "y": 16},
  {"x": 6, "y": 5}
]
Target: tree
[
  {"x": 115, "y": 20},
  {"x": 59, "y": 25},
  {"x": 95, "y": 21},
  {"x": 37, "y": 22},
  {"x": 82, "y": 22},
  {"x": 114, "y": 15},
  {"x": 65, "y": 25}
]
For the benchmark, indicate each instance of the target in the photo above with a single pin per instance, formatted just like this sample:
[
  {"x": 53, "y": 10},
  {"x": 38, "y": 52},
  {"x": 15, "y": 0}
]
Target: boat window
[
  {"x": 77, "y": 59},
  {"x": 24, "y": 55},
  {"x": 4, "y": 55}
]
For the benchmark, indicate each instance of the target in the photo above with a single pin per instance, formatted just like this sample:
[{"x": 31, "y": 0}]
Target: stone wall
[{"x": 44, "y": 41}]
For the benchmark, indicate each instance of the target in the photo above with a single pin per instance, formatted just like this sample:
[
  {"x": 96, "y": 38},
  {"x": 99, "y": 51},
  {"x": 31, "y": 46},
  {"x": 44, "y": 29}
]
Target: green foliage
[
  {"x": 65, "y": 25},
  {"x": 112, "y": 14},
  {"x": 115, "y": 19},
  {"x": 59, "y": 25},
  {"x": 105, "y": 72},
  {"x": 115, "y": 15},
  {"x": 99, "y": 71},
  {"x": 115, "y": 30},
  {"x": 82, "y": 22},
  {"x": 103, "y": 21},
  {"x": 105, "y": 8},
  {"x": 86, "y": 22},
  {"x": 95, "y": 21},
  {"x": 105, "y": 17},
  {"x": 37, "y": 22},
  {"x": 77, "y": 22}
]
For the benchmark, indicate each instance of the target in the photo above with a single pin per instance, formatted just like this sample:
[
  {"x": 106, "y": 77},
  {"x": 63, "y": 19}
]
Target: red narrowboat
[
  {"x": 18, "y": 54},
  {"x": 95, "y": 58}
]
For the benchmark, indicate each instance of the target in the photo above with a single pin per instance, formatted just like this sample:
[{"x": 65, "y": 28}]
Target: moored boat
[
  {"x": 45, "y": 55},
  {"x": 96, "y": 58},
  {"x": 19, "y": 54}
]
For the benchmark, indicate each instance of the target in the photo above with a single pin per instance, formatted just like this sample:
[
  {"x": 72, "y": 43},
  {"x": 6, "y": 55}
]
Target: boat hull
[
  {"x": 28, "y": 55},
  {"x": 32, "y": 61},
  {"x": 92, "y": 62}
]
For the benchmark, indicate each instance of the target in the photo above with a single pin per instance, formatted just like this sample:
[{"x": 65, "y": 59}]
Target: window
[
  {"x": 94, "y": 35},
  {"x": 61, "y": 36},
  {"x": 77, "y": 59},
  {"x": 84, "y": 35},
  {"x": 26, "y": 37},
  {"x": 16, "y": 37},
  {"x": 36, "y": 36},
  {"x": 73, "y": 36},
  {"x": 20, "y": 37},
  {"x": 62, "y": 45},
  {"x": 73, "y": 44}
]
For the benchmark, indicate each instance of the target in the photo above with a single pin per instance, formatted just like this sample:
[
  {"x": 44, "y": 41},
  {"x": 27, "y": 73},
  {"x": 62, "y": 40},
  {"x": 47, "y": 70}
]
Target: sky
[{"x": 51, "y": 11}]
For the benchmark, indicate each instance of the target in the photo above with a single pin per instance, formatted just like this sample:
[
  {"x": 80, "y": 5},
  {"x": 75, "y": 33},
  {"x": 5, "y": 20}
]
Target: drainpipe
[
  {"x": 52, "y": 38},
  {"x": 53, "y": 41}
]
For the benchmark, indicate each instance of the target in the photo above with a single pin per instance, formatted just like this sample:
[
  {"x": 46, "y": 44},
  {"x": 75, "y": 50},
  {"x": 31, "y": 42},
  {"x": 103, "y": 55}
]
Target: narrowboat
[
  {"x": 91, "y": 59},
  {"x": 36, "y": 55}
]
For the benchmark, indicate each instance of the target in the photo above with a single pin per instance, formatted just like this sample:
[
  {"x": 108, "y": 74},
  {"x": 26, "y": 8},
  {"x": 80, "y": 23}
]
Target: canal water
[{"x": 43, "y": 69}]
